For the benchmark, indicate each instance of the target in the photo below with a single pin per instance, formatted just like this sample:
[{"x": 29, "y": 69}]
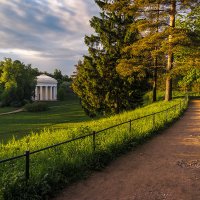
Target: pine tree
[
  {"x": 164, "y": 43},
  {"x": 145, "y": 52},
  {"x": 97, "y": 83}
]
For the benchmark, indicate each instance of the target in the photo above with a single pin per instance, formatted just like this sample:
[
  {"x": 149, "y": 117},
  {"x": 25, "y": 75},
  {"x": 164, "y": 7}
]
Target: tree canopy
[
  {"x": 98, "y": 84},
  {"x": 161, "y": 41},
  {"x": 17, "y": 81}
]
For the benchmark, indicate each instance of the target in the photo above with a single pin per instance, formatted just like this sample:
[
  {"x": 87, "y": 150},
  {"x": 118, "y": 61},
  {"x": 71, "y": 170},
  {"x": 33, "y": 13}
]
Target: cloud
[
  {"x": 20, "y": 51},
  {"x": 45, "y": 33}
]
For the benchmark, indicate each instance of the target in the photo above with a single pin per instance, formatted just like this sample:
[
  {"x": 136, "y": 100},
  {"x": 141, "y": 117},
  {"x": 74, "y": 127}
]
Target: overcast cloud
[{"x": 48, "y": 34}]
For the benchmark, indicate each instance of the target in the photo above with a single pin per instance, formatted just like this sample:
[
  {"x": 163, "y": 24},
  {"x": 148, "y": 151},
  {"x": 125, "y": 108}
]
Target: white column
[
  {"x": 36, "y": 93},
  {"x": 55, "y": 93},
  {"x": 50, "y": 92},
  {"x": 41, "y": 94},
  {"x": 46, "y": 93}
]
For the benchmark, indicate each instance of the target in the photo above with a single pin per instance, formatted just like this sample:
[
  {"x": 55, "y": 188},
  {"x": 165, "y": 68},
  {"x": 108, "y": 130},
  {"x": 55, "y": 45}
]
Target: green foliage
[
  {"x": 190, "y": 80},
  {"x": 147, "y": 98},
  {"x": 64, "y": 91},
  {"x": 60, "y": 77},
  {"x": 161, "y": 43},
  {"x": 61, "y": 165},
  {"x": 187, "y": 58},
  {"x": 101, "y": 89},
  {"x": 36, "y": 107},
  {"x": 57, "y": 74},
  {"x": 18, "y": 82},
  {"x": 191, "y": 20}
]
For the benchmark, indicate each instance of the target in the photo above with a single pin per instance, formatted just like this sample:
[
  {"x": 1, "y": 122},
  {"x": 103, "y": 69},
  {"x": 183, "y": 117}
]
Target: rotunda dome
[{"x": 46, "y": 79}]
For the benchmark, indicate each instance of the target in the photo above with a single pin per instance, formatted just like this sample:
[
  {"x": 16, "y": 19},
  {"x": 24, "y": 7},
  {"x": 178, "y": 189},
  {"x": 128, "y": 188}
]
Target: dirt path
[
  {"x": 12, "y": 112},
  {"x": 166, "y": 167}
]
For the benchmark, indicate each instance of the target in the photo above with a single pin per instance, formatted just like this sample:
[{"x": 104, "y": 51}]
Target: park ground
[
  {"x": 20, "y": 124},
  {"x": 164, "y": 168},
  {"x": 69, "y": 111}
]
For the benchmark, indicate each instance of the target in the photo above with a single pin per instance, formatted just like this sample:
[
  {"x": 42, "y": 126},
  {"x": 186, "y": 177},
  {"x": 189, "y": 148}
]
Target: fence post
[
  {"x": 166, "y": 115},
  {"x": 27, "y": 172},
  {"x": 94, "y": 141},
  {"x": 153, "y": 119},
  {"x": 130, "y": 126}
]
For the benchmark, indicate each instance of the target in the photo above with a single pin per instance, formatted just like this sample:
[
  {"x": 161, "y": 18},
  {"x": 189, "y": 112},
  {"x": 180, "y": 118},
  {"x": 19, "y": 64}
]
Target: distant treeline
[{"x": 18, "y": 81}]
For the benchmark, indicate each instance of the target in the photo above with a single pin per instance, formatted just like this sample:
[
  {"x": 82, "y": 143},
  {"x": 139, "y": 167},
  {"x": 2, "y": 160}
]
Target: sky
[{"x": 47, "y": 34}]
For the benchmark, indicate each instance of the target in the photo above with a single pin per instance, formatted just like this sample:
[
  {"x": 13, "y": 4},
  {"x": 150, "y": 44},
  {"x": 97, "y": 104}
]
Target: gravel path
[{"x": 166, "y": 167}]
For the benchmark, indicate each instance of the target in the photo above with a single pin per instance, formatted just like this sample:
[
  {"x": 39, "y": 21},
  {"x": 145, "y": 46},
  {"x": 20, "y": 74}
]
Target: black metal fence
[{"x": 28, "y": 153}]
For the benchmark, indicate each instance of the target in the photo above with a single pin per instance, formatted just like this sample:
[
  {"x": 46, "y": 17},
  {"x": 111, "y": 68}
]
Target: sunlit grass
[
  {"x": 71, "y": 161},
  {"x": 21, "y": 124}
]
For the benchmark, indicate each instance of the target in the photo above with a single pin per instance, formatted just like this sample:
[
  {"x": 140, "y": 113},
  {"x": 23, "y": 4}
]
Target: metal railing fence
[{"x": 28, "y": 153}]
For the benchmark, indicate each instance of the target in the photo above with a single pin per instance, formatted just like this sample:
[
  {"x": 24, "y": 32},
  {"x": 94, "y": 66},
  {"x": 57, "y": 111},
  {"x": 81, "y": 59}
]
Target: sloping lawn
[
  {"x": 52, "y": 168},
  {"x": 20, "y": 124}
]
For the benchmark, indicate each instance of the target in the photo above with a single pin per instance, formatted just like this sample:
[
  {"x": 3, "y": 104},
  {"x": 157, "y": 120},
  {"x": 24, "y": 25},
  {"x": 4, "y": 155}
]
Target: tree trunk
[
  {"x": 154, "y": 98},
  {"x": 168, "y": 93},
  {"x": 155, "y": 81}
]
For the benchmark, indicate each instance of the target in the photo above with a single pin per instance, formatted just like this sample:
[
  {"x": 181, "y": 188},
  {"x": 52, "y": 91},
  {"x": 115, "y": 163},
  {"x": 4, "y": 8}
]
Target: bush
[
  {"x": 64, "y": 91},
  {"x": 36, "y": 107},
  {"x": 147, "y": 98}
]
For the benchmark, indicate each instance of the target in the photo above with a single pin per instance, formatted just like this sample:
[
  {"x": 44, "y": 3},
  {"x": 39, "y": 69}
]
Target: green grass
[
  {"x": 147, "y": 99},
  {"x": 21, "y": 124},
  {"x": 61, "y": 114},
  {"x": 61, "y": 165}
]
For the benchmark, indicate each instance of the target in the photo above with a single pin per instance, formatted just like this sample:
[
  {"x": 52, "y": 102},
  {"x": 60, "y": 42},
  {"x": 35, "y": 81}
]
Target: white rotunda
[{"x": 46, "y": 88}]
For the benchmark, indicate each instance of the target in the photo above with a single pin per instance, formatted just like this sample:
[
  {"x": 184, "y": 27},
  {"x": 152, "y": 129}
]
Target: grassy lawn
[
  {"x": 62, "y": 114},
  {"x": 21, "y": 124}
]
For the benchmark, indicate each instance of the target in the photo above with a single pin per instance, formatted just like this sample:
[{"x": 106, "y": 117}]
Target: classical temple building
[{"x": 46, "y": 88}]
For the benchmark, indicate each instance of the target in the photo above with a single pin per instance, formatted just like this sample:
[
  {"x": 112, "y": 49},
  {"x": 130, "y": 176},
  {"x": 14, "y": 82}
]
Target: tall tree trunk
[
  {"x": 155, "y": 80},
  {"x": 168, "y": 92},
  {"x": 154, "y": 98}
]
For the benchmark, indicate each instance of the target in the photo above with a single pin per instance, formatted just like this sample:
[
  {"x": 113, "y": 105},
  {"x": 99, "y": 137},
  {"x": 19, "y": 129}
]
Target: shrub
[{"x": 36, "y": 107}]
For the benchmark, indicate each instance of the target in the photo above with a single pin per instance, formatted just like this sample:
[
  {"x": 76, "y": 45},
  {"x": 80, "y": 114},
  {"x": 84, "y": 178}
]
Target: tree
[
  {"x": 64, "y": 91},
  {"x": 60, "y": 77},
  {"x": 189, "y": 80},
  {"x": 165, "y": 42},
  {"x": 188, "y": 58},
  {"x": 144, "y": 52},
  {"x": 18, "y": 81},
  {"x": 97, "y": 83},
  {"x": 189, "y": 55}
]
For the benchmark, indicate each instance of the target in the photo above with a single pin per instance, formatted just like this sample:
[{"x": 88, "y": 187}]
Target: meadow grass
[
  {"x": 61, "y": 165},
  {"x": 147, "y": 98},
  {"x": 21, "y": 124},
  {"x": 61, "y": 114}
]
